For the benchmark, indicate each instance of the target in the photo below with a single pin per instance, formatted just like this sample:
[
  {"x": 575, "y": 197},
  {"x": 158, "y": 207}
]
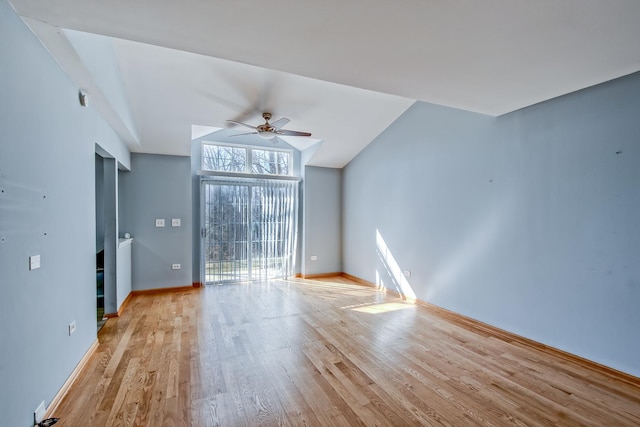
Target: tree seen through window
[{"x": 250, "y": 160}]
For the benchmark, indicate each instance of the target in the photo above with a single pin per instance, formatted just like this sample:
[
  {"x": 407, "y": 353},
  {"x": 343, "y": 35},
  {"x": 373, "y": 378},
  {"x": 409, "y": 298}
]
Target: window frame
[{"x": 248, "y": 158}]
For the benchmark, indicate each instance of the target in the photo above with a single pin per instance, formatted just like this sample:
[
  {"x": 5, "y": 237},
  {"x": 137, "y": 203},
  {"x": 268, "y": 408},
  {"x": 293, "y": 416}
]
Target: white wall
[
  {"x": 47, "y": 208},
  {"x": 529, "y": 222},
  {"x": 124, "y": 275}
]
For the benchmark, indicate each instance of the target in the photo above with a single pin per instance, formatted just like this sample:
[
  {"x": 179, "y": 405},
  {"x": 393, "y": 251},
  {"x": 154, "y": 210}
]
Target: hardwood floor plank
[
  {"x": 327, "y": 352},
  {"x": 381, "y": 367},
  {"x": 232, "y": 407},
  {"x": 117, "y": 414},
  {"x": 325, "y": 405},
  {"x": 295, "y": 406}
]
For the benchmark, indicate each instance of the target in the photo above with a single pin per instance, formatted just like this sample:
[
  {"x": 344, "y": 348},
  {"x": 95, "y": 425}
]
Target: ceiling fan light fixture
[{"x": 267, "y": 134}]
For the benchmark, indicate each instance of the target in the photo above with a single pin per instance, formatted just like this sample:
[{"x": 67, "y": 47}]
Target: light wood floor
[{"x": 325, "y": 353}]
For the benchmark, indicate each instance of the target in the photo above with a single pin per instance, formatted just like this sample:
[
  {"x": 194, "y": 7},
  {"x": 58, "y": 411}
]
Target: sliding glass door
[
  {"x": 248, "y": 229},
  {"x": 225, "y": 233}
]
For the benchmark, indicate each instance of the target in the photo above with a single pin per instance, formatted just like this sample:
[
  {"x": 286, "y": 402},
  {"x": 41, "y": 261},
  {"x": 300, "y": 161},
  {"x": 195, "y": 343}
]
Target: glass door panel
[
  {"x": 248, "y": 230},
  {"x": 225, "y": 233}
]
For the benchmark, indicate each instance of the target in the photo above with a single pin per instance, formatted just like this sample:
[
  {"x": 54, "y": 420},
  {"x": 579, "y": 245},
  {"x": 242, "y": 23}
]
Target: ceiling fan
[{"x": 270, "y": 130}]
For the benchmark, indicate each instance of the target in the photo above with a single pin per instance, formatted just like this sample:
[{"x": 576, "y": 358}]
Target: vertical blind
[{"x": 249, "y": 228}]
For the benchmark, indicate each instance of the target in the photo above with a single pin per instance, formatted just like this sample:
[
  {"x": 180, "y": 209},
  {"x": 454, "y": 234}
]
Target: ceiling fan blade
[
  {"x": 280, "y": 123},
  {"x": 292, "y": 133},
  {"x": 245, "y": 114},
  {"x": 242, "y": 124},
  {"x": 241, "y": 134}
]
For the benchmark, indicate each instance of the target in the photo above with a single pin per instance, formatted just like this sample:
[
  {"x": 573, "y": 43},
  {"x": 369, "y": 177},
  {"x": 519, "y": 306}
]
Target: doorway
[
  {"x": 248, "y": 229},
  {"x": 106, "y": 184},
  {"x": 100, "y": 213}
]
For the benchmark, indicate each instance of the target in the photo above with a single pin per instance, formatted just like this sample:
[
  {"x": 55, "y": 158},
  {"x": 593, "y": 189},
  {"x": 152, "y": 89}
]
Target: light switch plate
[
  {"x": 34, "y": 262},
  {"x": 175, "y": 222},
  {"x": 159, "y": 222}
]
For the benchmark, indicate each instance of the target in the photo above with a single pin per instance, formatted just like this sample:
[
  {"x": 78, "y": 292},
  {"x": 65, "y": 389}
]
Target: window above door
[{"x": 249, "y": 160}]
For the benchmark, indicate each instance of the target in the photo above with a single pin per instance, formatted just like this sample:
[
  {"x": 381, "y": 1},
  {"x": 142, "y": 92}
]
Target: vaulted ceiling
[{"x": 342, "y": 70}]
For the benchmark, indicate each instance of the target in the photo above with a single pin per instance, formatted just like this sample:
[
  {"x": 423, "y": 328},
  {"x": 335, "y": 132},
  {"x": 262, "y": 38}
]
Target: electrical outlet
[
  {"x": 72, "y": 327},
  {"x": 38, "y": 414},
  {"x": 176, "y": 222},
  {"x": 314, "y": 257},
  {"x": 176, "y": 266},
  {"x": 159, "y": 222},
  {"x": 407, "y": 273}
]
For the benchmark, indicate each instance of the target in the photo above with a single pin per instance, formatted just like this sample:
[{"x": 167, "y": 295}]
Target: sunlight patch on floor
[{"x": 378, "y": 308}]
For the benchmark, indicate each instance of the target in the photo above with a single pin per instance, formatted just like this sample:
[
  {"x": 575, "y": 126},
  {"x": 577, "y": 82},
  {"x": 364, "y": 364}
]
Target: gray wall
[
  {"x": 47, "y": 208},
  {"x": 110, "y": 198},
  {"x": 529, "y": 222},
  {"x": 98, "y": 55},
  {"x": 322, "y": 221},
  {"x": 157, "y": 187},
  {"x": 99, "y": 180}
]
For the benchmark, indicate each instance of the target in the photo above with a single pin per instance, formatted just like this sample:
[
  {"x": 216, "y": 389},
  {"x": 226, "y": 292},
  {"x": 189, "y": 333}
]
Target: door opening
[{"x": 100, "y": 215}]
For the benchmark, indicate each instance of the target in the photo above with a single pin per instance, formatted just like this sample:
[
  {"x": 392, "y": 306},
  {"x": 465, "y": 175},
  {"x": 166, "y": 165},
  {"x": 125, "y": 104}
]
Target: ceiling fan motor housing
[{"x": 266, "y": 131}]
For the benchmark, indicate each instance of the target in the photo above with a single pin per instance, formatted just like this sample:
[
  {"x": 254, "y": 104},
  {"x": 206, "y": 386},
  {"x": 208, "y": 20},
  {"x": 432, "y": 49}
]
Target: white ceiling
[{"x": 342, "y": 70}]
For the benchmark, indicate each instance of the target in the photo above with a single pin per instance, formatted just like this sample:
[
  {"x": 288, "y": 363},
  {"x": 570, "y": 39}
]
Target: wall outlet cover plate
[{"x": 38, "y": 414}]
